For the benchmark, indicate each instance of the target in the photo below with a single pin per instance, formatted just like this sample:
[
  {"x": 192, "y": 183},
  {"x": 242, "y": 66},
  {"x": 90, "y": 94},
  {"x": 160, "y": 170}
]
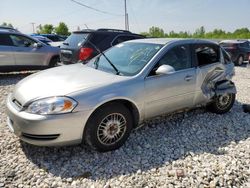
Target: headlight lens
[{"x": 52, "y": 105}]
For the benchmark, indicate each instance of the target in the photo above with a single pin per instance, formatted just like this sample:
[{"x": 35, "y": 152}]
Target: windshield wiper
[{"x": 99, "y": 51}]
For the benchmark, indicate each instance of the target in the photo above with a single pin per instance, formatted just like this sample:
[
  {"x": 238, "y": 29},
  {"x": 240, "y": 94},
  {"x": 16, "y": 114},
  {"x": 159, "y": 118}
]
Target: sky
[{"x": 176, "y": 15}]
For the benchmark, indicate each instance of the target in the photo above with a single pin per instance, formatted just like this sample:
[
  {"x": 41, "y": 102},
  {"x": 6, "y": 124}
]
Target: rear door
[
  {"x": 7, "y": 57},
  {"x": 25, "y": 52},
  {"x": 167, "y": 93},
  {"x": 209, "y": 69}
]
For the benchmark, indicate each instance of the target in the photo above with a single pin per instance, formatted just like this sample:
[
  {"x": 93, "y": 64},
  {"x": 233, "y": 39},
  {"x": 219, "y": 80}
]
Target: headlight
[{"x": 52, "y": 105}]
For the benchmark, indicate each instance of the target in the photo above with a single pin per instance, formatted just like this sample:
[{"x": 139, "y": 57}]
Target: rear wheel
[
  {"x": 54, "y": 62},
  {"x": 109, "y": 127},
  {"x": 240, "y": 60},
  {"x": 222, "y": 103}
]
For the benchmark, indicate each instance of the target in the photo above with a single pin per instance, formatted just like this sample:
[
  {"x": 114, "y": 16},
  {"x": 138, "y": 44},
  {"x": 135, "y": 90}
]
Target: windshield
[
  {"x": 76, "y": 39},
  {"x": 128, "y": 58}
]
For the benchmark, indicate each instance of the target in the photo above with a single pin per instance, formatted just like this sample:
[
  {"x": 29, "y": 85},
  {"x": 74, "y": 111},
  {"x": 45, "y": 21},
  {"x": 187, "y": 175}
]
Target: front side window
[
  {"x": 207, "y": 54},
  {"x": 128, "y": 58},
  {"x": 21, "y": 41},
  {"x": 178, "y": 57}
]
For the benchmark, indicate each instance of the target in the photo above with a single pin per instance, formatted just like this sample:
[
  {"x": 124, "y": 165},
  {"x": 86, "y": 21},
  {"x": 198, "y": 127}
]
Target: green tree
[
  {"x": 46, "y": 29},
  {"x": 156, "y": 32},
  {"x": 7, "y": 24},
  {"x": 200, "y": 32},
  {"x": 62, "y": 29}
]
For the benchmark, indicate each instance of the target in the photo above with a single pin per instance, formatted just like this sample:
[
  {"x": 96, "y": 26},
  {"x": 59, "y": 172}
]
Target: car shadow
[{"x": 159, "y": 143}]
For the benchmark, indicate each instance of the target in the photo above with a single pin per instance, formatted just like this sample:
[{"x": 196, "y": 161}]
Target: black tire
[
  {"x": 100, "y": 123},
  {"x": 240, "y": 60},
  {"x": 54, "y": 62},
  {"x": 216, "y": 105}
]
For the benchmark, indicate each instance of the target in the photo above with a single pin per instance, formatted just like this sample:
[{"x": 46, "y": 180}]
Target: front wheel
[
  {"x": 109, "y": 127},
  {"x": 222, "y": 103}
]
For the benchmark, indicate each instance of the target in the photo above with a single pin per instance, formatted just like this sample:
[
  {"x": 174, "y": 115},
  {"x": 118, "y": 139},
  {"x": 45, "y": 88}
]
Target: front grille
[{"x": 40, "y": 137}]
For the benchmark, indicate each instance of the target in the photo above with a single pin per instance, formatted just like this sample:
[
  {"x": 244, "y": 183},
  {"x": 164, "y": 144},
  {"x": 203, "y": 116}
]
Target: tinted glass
[
  {"x": 121, "y": 39},
  {"x": 178, "y": 57},
  {"x": 76, "y": 39},
  {"x": 128, "y": 58},
  {"x": 207, "y": 54},
  {"x": 21, "y": 41},
  {"x": 226, "y": 56},
  {"x": 5, "y": 40}
]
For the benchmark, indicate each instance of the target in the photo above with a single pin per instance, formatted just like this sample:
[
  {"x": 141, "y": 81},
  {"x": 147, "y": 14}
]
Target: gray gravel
[{"x": 192, "y": 149}]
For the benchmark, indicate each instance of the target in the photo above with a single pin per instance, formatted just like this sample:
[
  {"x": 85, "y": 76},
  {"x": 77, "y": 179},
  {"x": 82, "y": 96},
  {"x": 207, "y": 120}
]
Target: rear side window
[
  {"x": 98, "y": 38},
  {"x": 207, "y": 54},
  {"x": 120, "y": 39},
  {"x": 5, "y": 40},
  {"x": 76, "y": 39},
  {"x": 245, "y": 45},
  {"x": 226, "y": 56}
]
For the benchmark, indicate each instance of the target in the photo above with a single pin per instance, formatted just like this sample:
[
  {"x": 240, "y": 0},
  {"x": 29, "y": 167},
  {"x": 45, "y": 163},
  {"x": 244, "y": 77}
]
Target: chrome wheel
[
  {"x": 111, "y": 129},
  {"x": 224, "y": 101}
]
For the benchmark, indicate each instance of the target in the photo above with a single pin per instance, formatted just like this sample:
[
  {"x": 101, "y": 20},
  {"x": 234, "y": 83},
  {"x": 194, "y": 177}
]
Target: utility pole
[
  {"x": 33, "y": 26},
  {"x": 126, "y": 16}
]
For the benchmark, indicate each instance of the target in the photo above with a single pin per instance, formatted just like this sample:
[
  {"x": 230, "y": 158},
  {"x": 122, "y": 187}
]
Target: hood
[{"x": 61, "y": 81}]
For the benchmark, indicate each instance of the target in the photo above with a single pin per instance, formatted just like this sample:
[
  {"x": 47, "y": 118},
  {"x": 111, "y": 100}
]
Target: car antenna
[{"x": 114, "y": 67}]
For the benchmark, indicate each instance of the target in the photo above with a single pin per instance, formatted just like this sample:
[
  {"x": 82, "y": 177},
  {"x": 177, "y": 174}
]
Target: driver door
[{"x": 169, "y": 92}]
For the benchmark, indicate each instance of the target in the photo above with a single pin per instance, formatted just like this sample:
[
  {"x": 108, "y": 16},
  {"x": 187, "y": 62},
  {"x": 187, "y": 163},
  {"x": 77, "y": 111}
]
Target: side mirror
[
  {"x": 165, "y": 69},
  {"x": 37, "y": 45}
]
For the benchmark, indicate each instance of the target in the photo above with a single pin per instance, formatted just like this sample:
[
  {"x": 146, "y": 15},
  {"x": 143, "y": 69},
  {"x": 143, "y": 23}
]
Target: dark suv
[
  {"x": 85, "y": 44},
  {"x": 238, "y": 49}
]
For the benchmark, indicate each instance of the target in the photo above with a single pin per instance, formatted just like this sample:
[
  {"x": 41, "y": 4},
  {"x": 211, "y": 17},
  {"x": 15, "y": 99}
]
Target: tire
[
  {"x": 222, "y": 103},
  {"x": 53, "y": 62},
  {"x": 240, "y": 60},
  {"x": 102, "y": 134}
]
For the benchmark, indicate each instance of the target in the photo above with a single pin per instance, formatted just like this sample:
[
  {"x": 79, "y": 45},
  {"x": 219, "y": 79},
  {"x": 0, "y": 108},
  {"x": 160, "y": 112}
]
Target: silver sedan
[{"x": 101, "y": 102}]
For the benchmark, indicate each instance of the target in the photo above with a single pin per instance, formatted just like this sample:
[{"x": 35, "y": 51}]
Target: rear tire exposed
[
  {"x": 240, "y": 60},
  {"x": 54, "y": 62},
  {"x": 108, "y": 128},
  {"x": 222, "y": 103}
]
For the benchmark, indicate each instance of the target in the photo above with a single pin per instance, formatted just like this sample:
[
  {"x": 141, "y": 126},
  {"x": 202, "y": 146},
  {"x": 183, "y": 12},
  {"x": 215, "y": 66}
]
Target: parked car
[
  {"x": 54, "y": 37},
  {"x": 21, "y": 52},
  {"x": 42, "y": 39},
  {"x": 10, "y": 29},
  {"x": 102, "y": 101},
  {"x": 238, "y": 49},
  {"x": 84, "y": 45}
]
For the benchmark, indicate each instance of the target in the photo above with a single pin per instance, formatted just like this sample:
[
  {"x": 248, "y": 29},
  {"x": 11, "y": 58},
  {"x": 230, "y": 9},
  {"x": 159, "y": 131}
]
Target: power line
[{"x": 97, "y": 10}]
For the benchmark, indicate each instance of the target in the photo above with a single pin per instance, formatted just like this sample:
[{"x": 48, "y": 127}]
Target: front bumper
[{"x": 46, "y": 130}]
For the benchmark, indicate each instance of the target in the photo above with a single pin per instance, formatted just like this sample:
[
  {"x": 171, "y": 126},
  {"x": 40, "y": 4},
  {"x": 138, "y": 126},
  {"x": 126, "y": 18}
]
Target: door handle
[{"x": 188, "y": 78}]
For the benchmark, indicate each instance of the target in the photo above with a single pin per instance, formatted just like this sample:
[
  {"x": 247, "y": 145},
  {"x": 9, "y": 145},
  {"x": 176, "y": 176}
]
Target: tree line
[
  {"x": 242, "y": 33},
  {"x": 61, "y": 29}
]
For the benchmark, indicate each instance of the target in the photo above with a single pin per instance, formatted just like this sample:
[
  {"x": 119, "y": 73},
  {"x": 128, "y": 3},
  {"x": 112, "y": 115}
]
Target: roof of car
[
  {"x": 106, "y": 30},
  {"x": 233, "y": 41},
  {"x": 168, "y": 40}
]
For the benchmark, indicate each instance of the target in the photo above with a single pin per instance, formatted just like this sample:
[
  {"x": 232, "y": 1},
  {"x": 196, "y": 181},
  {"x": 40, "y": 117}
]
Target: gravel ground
[{"x": 192, "y": 149}]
